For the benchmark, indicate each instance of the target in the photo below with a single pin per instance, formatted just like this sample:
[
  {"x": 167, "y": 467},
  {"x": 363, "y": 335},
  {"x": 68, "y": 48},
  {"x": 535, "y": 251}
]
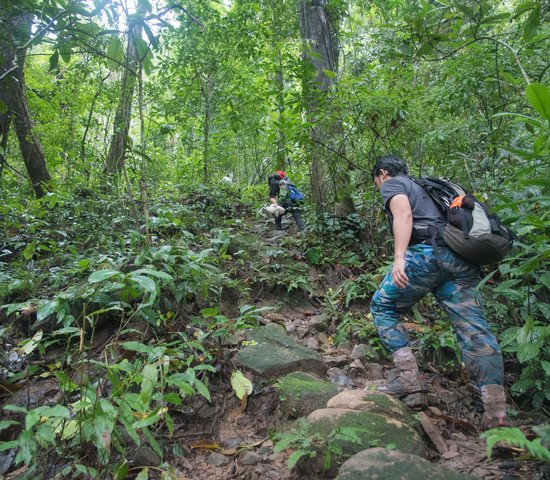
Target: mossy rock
[
  {"x": 276, "y": 353},
  {"x": 383, "y": 464},
  {"x": 301, "y": 393},
  {"x": 374, "y": 402},
  {"x": 373, "y": 429}
]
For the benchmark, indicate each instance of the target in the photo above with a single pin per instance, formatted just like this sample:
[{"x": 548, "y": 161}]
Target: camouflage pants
[{"x": 453, "y": 282}]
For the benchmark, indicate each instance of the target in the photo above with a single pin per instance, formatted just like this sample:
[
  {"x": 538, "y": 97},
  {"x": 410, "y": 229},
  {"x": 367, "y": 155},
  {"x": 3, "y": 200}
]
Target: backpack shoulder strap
[{"x": 440, "y": 190}]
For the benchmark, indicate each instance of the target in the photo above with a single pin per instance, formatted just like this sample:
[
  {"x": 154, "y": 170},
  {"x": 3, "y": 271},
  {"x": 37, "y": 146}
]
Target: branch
[
  {"x": 328, "y": 147},
  {"x": 177, "y": 6}
]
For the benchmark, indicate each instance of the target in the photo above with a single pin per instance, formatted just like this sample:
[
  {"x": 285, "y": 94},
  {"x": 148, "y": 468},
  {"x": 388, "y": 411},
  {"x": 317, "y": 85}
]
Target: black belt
[{"x": 438, "y": 241}]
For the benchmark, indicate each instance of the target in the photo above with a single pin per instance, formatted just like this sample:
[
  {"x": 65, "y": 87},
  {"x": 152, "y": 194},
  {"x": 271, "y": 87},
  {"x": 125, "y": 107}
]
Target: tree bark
[
  {"x": 16, "y": 31},
  {"x": 320, "y": 48},
  {"x": 119, "y": 142}
]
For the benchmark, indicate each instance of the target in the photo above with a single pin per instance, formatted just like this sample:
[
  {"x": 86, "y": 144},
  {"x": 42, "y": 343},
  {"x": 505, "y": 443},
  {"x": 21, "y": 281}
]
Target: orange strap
[{"x": 457, "y": 202}]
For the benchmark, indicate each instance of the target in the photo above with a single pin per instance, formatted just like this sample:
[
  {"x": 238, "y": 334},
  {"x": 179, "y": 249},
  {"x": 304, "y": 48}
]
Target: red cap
[{"x": 280, "y": 173}]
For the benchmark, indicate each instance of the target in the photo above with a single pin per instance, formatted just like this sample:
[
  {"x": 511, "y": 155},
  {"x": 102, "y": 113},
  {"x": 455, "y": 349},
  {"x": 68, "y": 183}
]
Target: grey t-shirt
[{"x": 424, "y": 210}]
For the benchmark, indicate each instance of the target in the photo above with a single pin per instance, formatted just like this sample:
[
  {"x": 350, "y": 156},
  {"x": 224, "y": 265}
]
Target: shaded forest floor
[{"x": 223, "y": 439}]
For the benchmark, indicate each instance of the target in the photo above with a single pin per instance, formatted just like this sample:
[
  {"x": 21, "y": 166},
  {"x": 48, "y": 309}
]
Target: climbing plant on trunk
[{"x": 15, "y": 24}]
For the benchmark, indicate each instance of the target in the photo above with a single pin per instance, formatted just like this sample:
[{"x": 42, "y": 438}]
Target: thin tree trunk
[
  {"x": 320, "y": 47},
  {"x": 119, "y": 142},
  {"x": 16, "y": 31},
  {"x": 280, "y": 142}
]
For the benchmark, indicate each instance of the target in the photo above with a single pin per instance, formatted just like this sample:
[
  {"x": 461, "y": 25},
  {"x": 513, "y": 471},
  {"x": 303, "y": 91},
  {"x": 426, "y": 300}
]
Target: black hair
[
  {"x": 392, "y": 164},
  {"x": 273, "y": 178}
]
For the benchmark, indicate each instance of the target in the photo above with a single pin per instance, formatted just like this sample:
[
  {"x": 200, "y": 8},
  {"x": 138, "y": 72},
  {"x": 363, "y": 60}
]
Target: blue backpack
[{"x": 295, "y": 194}]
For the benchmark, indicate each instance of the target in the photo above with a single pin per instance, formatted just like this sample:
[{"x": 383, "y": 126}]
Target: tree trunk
[
  {"x": 16, "y": 33},
  {"x": 280, "y": 154},
  {"x": 123, "y": 116},
  {"x": 320, "y": 47}
]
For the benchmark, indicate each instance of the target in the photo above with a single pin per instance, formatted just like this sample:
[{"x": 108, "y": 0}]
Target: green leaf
[
  {"x": 7, "y": 423},
  {"x": 532, "y": 24},
  {"x": 241, "y": 385},
  {"x": 145, "y": 283},
  {"x": 57, "y": 411},
  {"x": 54, "y": 60},
  {"x": 29, "y": 346},
  {"x": 209, "y": 312},
  {"x": 546, "y": 366},
  {"x": 102, "y": 275},
  {"x": 115, "y": 53},
  {"x": 3, "y": 107},
  {"x": 296, "y": 455},
  {"x": 142, "y": 48},
  {"x": 202, "y": 389},
  {"x": 528, "y": 352},
  {"x": 29, "y": 250},
  {"x": 499, "y": 18},
  {"x": 524, "y": 7},
  {"x": 313, "y": 255},
  {"x": 137, "y": 347},
  {"x": 46, "y": 309},
  {"x": 8, "y": 445},
  {"x": 122, "y": 470},
  {"x": 149, "y": 382},
  {"x": 180, "y": 380},
  {"x": 143, "y": 475},
  {"x": 539, "y": 97},
  {"x": 65, "y": 51},
  {"x": 154, "y": 273},
  {"x": 90, "y": 29}
]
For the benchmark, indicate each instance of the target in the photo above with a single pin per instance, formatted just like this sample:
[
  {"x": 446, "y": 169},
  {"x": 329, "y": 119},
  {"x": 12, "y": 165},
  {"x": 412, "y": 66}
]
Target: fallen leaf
[
  {"x": 241, "y": 385},
  {"x": 205, "y": 445}
]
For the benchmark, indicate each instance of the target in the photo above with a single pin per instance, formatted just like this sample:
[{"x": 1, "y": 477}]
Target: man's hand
[{"x": 398, "y": 274}]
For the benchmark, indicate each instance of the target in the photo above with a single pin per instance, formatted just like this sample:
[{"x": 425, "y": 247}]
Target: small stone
[
  {"x": 145, "y": 456},
  {"x": 206, "y": 411},
  {"x": 275, "y": 317},
  {"x": 311, "y": 342},
  {"x": 357, "y": 365},
  {"x": 249, "y": 458},
  {"x": 302, "y": 330},
  {"x": 268, "y": 444},
  {"x": 337, "y": 376},
  {"x": 434, "y": 412},
  {"x": 345, "y": 348},
  {"x": 290, "y": 328},
  {"x": 482, "y": 472},
  {"x": 415, "y": 401},
  {"x": 374, "y": 371},
  {"x": 317, "y": 323},
  {"x": 366, "y": 352},
  {"x": 323, "y": 338},
  {"x": 217, "y": 459},
  {"x": 458, "y": 436},
  {"x": 335, "y": 361}
]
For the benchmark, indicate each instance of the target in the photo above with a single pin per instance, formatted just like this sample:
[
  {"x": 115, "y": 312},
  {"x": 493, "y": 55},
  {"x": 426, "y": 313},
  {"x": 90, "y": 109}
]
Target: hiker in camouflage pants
[
  {"x": 453, "y": 284},
  {"x": 422, "y": 264}
]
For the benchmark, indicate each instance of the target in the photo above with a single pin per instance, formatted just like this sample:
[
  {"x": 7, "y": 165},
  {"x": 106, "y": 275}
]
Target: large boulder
[
  {"x": 355, "y": 420},
  {"x": 374, "y": 402},
  {"x": 372, "y": 429},
  {"x": 301, "y": 393},
  {"x": 276, "y": 353},
  {"x": 384, "y": 464}
]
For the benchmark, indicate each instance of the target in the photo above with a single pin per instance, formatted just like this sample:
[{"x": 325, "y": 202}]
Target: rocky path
[
  {"x": 351, "y": 433},
  {"x": 301, "y": 375}
]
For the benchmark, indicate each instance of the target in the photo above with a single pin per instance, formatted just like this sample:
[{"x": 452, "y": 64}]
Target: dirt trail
[{"x": 225, "y": 439}]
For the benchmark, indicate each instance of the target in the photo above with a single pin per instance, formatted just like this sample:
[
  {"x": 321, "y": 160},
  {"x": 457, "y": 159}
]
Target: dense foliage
[{"x": 138, "y": 113}]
